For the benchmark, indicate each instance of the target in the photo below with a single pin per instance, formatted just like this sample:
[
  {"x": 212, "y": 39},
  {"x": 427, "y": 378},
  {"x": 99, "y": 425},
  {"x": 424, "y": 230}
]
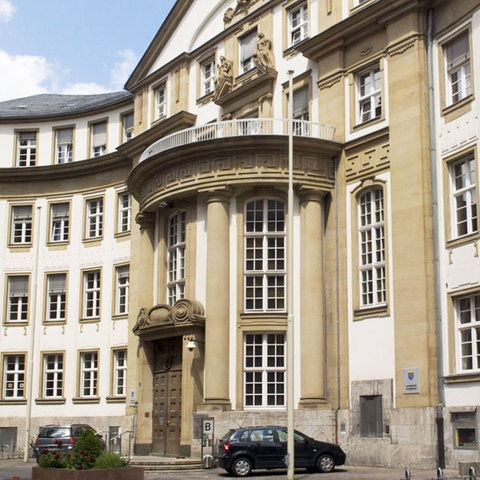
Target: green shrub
[
  {"x": 86, "y": 450},
  {"x": 110, "y": 460},
  {"x": 52, "y": 460}
]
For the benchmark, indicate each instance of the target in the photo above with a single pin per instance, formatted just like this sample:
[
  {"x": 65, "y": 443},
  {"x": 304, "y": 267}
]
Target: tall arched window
[
  {"x": 265, "y": 267},
  {"x": 372, "y": 248},
  {"x": 176, "y": 258}
]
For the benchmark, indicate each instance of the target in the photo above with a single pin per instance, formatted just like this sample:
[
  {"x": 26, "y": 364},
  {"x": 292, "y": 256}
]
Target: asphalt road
[{"x": 17, "y": 468}]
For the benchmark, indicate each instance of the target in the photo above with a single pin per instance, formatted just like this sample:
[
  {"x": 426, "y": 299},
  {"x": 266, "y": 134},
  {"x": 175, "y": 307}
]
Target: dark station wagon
[{"x": 245, "y": 449}]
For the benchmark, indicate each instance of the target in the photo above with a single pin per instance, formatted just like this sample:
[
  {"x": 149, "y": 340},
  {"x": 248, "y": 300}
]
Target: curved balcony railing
[{"x": 239, "y": 128}]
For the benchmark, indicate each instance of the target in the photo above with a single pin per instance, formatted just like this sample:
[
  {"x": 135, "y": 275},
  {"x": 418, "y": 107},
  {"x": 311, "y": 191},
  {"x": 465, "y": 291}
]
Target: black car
[
  {"x": 59, "y": 438},
  {"x": 245, "y": 449}
]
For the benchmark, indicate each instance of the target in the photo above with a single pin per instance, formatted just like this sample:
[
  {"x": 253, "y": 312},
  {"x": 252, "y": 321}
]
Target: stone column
[
  {"x": 312, "y": 314},
  {"x": 217, "y": 303}
]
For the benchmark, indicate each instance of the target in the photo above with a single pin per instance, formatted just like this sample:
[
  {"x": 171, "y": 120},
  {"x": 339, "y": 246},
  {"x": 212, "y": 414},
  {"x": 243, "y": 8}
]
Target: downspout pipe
[{"x": 436, "y": 242}]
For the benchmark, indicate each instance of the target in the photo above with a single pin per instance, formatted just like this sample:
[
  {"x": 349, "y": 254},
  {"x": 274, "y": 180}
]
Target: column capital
[
  {"x": 219, "y": 196},
  {"x": 306, "y": 195}
]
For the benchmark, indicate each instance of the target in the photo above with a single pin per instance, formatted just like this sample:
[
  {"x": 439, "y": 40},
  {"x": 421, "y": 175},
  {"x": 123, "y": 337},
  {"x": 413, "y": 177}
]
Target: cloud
[
  {"x": 87, "y": 88},
  {"x": 27, "y": 75},
  {"x": 122, "y": 69},
  {"x": 7, "y": 9}
]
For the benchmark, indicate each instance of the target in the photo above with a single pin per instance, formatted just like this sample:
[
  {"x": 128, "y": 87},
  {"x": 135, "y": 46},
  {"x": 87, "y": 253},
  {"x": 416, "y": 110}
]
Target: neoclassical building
[{"x": 146, "y": 267}]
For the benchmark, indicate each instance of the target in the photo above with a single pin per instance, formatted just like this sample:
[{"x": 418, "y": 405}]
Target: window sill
[
  {"x": 116, "y": 399},
  {"x": 463, "y": 240},
  {"x": 368, "y": 312},
  {"x": 78, "y": 400},
  {"x": 368, "y": 123},
  {"x": 462, "y": 378},
  {"x": 13, "y": 401},
  {"x": 59, "y": 243},
  {"x": 455, "y": 110},
  {"x": 51, "y": 401}
]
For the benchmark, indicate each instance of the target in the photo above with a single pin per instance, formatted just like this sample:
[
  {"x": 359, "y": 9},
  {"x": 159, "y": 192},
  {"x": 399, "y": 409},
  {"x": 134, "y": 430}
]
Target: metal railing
[
  {"x": 441, "y": 475},
  {"x": 239, "y": 128}
]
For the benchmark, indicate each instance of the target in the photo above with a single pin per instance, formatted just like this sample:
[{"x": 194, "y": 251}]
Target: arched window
[
  {"x": 372, "y": 248},
  {"x": 176, "y": 258}
]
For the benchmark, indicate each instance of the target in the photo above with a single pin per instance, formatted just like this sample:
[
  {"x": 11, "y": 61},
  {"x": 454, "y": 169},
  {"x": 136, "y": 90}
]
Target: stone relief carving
[
  {"x": 224, "y": 79},
  {"x": 241, "y": 7},
  {"x": 264, "y": 58}
]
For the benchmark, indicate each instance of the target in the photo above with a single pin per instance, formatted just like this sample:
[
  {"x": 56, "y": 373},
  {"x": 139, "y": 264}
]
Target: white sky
[{"x": 73, "y": 46}]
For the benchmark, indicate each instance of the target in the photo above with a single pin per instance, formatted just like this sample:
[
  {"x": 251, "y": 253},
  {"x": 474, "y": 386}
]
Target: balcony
[
  {"x": 239, "y": 128},
  {"x": 243, "y": 153}
]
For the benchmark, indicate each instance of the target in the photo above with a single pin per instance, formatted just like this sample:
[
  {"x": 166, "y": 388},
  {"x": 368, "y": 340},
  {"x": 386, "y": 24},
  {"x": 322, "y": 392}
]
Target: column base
[
  {"x": 316, "y": 402},
  {"x": 223, "y": 405}
]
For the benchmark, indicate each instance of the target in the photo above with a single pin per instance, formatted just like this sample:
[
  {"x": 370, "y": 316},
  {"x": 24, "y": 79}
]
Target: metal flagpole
[{"x": 290, "y": 317}]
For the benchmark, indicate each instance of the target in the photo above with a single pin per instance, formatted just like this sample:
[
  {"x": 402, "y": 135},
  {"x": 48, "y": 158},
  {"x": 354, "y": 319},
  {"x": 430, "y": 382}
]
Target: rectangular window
[
  {"x": 371, "y": 416},
  {"x": 208, "y": 76},
  {"x": 26, "y": 149},
  {"x": 372, "y": 249},
  {"x": 459, "y": 76},
  {"x": 265, "y": 269},
  {"x": 17, "y": 299},
  {"x": 464, "y": 196},
  {"x": 88, "y": 374},
  {"x": 91, "y": 294},
  {"x": 119, "y": 373},
  {"x": 264, "y": 370},
  {"x": 21, "y": 231},
  {"x": 176, "y": 257},
  {"x": 99, "y": 139},
  {"x": 94, "y": 221},
  {"x": 300, "y": 111},
  {"x": 13, "y": 376},
  {"x": 60, "y": 222},
  {"x": 122, "y": 280},
  {"x": 160, "y": 102},
  {"x": 127, "y": 126},
  {"x": 467, "y": 313},
  {"x": 124, "y": 221},
  {"x": 64, "y": 145},
  {"x": 52, "y": 375},
  {"x": 369, "y": 94},
  {"x": 298, "y": 24},
  {"x": 465, "y": 430},
  {"x": 56, "y": 297},
  {"x": 248, "y": 46}
]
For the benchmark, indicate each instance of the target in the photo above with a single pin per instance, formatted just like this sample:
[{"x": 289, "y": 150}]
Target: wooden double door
[{"x": 167, "y": 397}]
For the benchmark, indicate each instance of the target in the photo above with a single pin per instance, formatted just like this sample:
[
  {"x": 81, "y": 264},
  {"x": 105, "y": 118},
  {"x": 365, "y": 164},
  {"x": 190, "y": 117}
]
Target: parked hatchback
[
  {"x": 243, "y": 450},
  {"x": 55, "y": 438}
]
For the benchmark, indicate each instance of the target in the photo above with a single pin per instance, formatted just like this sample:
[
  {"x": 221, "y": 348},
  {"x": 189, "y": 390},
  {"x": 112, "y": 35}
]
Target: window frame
[
  {"x": 59, "y": 222},
  {"x": 472, "y": 326},
  {"x": 303, "y": 27},
  {"x": 127, "y": 129},
  {"x": 257, "y": 253},
  {"x": 60, "y": 304},
  {"x": 98, "y": 140},
  {"x": 464, "y": 421},
  {"x": 124, "y": 212},
  {"x": 91, "y": 296},
  {"x": 25, "y": 233},
  {"x": 63, "y": 148},
  {"x": 207, "y": 82},
  {"x": 465, "y": 68},
  {"x": 121, "y": 290},
  {"x": 258, "y": 374},
  {"x": 94, "y": 220},
  {"x": 54, "y": 375},
  {"x": 29, "y": 150},
  {"x": 119, "y": 373},
  {"x": 19, "y": 377},
  {"x": 88, "y": 377},
  {"x": 176, "y": 243},
  {"x": 23, "y": 305},
  {"x": 470, "y": 190},
  {"x": 246, "y": 51},
  {"x": 160, "y": 105},
  {"x": 371, "y": 97}
]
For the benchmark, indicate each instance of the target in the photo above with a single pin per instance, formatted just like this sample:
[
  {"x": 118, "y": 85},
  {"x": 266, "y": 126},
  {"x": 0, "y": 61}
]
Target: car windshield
[{"x": 55, "y": 432}]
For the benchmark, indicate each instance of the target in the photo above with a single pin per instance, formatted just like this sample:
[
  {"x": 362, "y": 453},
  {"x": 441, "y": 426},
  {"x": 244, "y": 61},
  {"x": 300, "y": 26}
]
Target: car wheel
[
  {"x": 325, "y": 464},
  {"x": 241, "y": 467}
]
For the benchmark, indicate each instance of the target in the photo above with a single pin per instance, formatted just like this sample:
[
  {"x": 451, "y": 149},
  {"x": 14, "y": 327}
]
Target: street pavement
[{"x": 10, "y": 469}]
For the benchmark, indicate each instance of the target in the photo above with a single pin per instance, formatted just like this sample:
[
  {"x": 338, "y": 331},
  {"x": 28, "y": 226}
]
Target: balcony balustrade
[{"x": 239, "y": 128}]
